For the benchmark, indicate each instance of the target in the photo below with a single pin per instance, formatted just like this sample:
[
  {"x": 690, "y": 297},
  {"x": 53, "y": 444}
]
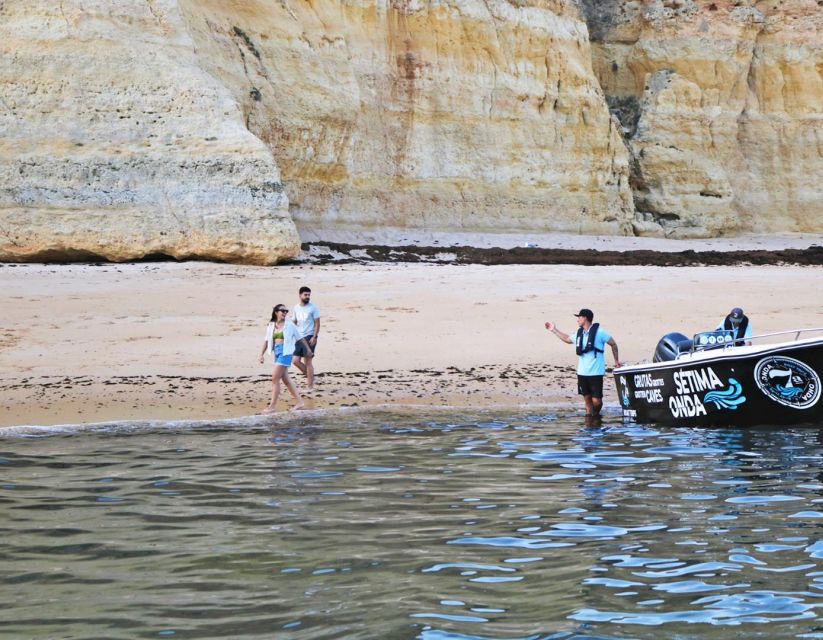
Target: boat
[{"x": 713, "y": 380}]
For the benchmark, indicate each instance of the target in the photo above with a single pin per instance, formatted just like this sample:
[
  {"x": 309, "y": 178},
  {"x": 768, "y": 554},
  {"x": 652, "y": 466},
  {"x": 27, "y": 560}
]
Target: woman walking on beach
[{"x": 281, "y": 337}]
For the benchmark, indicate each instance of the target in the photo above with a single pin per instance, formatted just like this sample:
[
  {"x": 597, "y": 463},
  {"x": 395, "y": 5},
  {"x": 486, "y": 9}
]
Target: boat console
[
  {"x": 714, "y": 339},
  {"x": 673, "y": 345}
]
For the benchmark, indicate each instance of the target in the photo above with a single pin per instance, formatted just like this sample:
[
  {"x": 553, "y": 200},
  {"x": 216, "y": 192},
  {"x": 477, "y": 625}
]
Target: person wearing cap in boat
[
  {"x": 738, "y": 322},
  {"x": 590, "y": 343}
]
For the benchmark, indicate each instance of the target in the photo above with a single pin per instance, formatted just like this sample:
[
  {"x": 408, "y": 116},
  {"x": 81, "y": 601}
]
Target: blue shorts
[{"x": 279, "y": 358}]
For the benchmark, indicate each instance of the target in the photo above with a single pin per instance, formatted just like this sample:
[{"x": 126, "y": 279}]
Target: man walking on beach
[
  {"x": 307, "y": 319},
  {"x": 590, "y": 343}
]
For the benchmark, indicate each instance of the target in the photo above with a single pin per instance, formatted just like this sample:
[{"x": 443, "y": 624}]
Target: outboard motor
[{"x": 670, "y": 346}]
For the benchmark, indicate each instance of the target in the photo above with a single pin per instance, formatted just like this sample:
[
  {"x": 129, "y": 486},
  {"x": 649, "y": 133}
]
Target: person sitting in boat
[{"x": 738, "y": 322}]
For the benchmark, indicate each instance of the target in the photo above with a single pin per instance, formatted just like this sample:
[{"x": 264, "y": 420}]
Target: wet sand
[{"x": 90, "y": 343}]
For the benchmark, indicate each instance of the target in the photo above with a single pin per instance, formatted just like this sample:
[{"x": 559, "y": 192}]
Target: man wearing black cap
[
  {"x": 738, "y": 322},
  {"x": 590, "y": 343}
]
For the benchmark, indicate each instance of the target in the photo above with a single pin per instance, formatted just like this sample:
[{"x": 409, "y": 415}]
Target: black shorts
[
  {"x": 590, "y": 386},
  {"x": 300, "y": 350}
]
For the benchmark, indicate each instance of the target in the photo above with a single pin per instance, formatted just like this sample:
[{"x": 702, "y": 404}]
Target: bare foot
[
  {"x": 298, "y": 407},
  {"x": 269, "y": 409}
]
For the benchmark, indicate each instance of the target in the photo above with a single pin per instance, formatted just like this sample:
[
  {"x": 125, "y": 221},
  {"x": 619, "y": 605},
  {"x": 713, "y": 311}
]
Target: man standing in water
[
  {"x": 307, "y": 319},
  {"x": 590, "y": 344}
]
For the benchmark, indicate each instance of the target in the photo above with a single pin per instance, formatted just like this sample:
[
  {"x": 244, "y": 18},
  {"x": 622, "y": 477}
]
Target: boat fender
[{"x": 579, "y": 348}]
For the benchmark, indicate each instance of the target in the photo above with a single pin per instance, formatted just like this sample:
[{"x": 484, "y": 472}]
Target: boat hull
[{"x": 742, "y": 386}]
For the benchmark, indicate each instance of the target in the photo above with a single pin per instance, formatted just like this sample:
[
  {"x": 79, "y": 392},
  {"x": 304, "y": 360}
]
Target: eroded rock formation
[
  {"x": 457, "y": 114},
  {"x": 207, "y": 127},
  {"x": 721, "y": 103},
  {"x": 116, "y": 143}
]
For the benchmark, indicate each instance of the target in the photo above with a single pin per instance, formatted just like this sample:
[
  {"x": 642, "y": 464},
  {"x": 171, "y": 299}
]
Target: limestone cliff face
[
  {"x": 449, "y": 114},
  {"x": 721, "y": 103},
  {"x": 115, "y": 143},
  {"x": 207, "y": 127}
]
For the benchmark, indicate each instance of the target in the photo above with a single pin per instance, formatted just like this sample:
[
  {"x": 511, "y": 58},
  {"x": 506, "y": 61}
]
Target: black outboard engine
[{"x": 670, "y": 346}]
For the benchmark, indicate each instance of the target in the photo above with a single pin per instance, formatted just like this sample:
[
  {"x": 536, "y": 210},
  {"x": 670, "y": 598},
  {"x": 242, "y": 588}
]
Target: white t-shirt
[{"x": 305, "y": 315}]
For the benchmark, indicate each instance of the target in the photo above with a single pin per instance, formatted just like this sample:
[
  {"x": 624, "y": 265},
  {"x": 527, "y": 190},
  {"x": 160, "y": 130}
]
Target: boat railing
[
  {"x": 797, "y": 333},
  {"x": 724, "y": 339}
]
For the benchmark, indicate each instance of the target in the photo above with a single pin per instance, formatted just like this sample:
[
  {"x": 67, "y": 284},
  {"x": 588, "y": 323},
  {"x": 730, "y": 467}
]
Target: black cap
[
  {"x": 585, "y": 312},
  {"x": 736, "y": 313}
]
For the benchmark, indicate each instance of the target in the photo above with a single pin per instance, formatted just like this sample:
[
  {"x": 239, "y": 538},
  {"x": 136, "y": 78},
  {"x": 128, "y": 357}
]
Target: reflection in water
[{"x": 434, "y": 526}]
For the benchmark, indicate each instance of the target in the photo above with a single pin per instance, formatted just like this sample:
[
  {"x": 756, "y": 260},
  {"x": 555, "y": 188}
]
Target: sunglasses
[{"x": 282, "y": 309}]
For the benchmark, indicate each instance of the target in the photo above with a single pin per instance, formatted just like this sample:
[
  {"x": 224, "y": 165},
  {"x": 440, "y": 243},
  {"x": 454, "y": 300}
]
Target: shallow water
[{"x": 433, "y": 526}]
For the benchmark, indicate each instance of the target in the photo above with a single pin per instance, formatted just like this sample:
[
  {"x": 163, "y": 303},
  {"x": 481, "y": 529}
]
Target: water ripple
[
  {"x": 510, "y": 541},
  {"x": 457, "y": 565},
  {"x": 700, "y": 567},
  {"x": 444, "y": 526},
  {"x": 573, "y": 530},
  {"x": 762, "y": 499}
]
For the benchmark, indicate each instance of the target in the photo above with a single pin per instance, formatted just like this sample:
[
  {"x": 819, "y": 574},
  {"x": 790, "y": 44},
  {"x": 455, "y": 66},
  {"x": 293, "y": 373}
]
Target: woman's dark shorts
[
  {"x": 589, "y": 386},
  {"x": 300, "y": 351}
]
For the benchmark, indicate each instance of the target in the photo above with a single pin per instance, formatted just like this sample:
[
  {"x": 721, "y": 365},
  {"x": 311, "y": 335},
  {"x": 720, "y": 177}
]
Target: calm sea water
[{"x": 434, "y": 526}]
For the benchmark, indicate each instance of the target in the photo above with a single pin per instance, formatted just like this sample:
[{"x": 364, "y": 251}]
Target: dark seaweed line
[{"x": 812, "y": 256}]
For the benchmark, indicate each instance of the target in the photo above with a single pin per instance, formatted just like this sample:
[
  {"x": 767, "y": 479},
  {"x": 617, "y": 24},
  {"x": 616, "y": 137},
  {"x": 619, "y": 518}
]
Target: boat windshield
[{"x": 712, "y": 339}]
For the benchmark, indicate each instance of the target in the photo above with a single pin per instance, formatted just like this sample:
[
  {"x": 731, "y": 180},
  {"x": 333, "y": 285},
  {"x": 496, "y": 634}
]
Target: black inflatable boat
[{"x": 709, "y": 380}]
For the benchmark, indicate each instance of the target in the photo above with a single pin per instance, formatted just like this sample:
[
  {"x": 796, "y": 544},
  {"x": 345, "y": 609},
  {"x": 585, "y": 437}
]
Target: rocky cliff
[
  {"x": 455, "y": 114},
  {"x": 206, "y": 127},
  {"x": 721, "y": 105},
  {"x": 114, "y": 142}
]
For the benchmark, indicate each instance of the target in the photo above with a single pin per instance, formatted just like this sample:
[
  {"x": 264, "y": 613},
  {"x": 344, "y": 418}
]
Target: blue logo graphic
[
  {"x": 730, "y": 398},
  {"x": 625, "y": 392},
  {"x": 787, "y": 381},
  {"x": 790, "y": 393}
]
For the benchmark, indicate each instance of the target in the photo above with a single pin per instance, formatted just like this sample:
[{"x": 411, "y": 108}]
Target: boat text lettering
[
  {"x": 686, "y": 406},
  {"x": 693, "y": 381},
  {"x": 649, "y": 395},
  {"x": 645, "y": 381},
  {"x": 686, "y": 403}
]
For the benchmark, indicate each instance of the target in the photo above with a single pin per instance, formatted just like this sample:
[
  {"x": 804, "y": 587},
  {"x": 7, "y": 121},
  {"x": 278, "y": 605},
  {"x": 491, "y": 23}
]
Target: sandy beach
[{"x": 91, "y": 343}]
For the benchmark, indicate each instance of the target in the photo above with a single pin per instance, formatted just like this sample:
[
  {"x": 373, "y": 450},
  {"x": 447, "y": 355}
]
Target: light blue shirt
[
  {"x": 593, "y": 363},
  {"x": 747, "y": 335},
  {"x": 303, "y": 316}
]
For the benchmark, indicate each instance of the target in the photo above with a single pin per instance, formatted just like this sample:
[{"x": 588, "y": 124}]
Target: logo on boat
[
  {"x": 624, "y": 394},
  {"x": 696, "y": 388},
  {"x": 788, "y": 381}
]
